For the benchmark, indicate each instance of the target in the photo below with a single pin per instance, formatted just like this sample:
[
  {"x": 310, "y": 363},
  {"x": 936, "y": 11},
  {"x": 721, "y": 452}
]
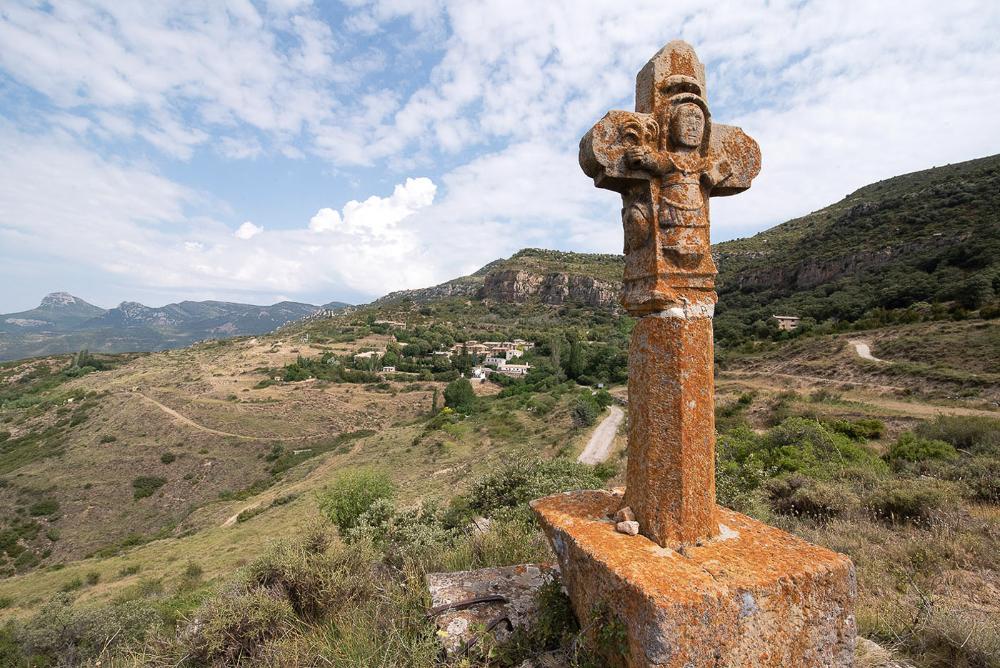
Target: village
[{"x": 488, "y": 357}]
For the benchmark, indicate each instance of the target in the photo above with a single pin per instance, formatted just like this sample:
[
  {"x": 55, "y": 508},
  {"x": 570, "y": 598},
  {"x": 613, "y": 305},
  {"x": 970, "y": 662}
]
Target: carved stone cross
[{"x": 666, "y": 160}]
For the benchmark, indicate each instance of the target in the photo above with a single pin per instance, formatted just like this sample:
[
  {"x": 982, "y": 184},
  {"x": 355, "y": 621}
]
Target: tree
[
  {"x": 575, "y": 363},
  {"x": 460, "y": 396}
]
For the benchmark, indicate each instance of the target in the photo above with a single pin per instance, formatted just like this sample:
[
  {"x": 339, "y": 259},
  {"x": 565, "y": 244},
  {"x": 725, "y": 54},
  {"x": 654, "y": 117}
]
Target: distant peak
[{"x": 59, "y": 299}]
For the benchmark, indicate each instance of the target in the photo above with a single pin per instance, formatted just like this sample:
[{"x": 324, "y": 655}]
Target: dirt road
[
  {"x": 599, "y": 446},
  {"x": 864, "y": 351},
  {"x": 770, "y": 381},
  {"x": 208, "y": 430}
]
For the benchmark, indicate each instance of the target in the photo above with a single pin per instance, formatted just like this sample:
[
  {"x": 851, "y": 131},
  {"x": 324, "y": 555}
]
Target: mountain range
[
  {"x": 65, "y": 323},
  {"x": 910, "y": 242}
]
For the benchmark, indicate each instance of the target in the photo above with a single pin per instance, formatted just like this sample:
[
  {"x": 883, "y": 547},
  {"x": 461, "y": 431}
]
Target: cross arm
[
  {"x": 602, "y": 149},
  {"x": 739, "y": 153}
]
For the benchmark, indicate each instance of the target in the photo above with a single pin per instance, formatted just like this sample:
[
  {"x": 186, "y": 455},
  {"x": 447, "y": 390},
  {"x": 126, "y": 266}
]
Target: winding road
[
  {"x": 208, "y": 430},
  {"x": 599, "y": 446}
]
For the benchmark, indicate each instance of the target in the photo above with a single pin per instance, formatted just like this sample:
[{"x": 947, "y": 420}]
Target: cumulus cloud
[
  {"x": 487, "y": 99},
  {"x": 325, "y": 220},
  {"x": 149, "y": 234},
  {"x": 247, "y": 230}
]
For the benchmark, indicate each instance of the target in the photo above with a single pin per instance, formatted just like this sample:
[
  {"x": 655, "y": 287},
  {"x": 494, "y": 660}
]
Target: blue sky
[{"x": 284, "y": 149}]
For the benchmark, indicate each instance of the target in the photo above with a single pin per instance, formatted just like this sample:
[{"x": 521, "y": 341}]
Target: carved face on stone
[{"x": 687, "y": 125}]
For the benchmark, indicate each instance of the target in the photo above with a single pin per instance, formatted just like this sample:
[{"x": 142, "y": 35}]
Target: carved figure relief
[{"x": 666, "y": 160}]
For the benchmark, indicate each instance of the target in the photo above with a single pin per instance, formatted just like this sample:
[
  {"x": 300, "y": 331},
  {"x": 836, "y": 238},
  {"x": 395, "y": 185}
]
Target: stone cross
[{"x": 666, "y": 160}]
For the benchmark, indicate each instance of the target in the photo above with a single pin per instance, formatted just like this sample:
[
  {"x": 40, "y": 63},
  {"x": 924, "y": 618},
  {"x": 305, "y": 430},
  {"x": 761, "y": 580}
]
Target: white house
[{"x": 514, "y": 369}]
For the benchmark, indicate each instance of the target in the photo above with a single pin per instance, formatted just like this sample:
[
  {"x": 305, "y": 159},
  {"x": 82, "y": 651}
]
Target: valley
[{"x": 153, "y": 484}]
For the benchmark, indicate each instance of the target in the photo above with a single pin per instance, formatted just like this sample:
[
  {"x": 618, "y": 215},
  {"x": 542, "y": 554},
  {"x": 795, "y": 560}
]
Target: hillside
[
  {"x": 63, "y": 323},
  {"x": 532, "y": 275},
  {"x": 904, "y": 243},
  {"x": 141, "y": 494}
]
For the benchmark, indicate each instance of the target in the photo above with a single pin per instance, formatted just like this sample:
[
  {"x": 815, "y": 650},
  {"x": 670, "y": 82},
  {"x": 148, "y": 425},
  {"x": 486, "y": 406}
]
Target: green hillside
[{"x": 888, "y": 252}]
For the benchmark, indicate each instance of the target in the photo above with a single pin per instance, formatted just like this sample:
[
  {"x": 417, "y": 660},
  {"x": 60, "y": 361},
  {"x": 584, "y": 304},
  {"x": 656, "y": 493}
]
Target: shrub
[
  {"x": 910, "y": 500},
  {"x": 62, "y": 634},
  {"x": 352, "y": 494},
  {"x": 798, "y": 444},
  {"x": 859, "y": 430},
  {"x": 978, "y": 474},
  {"x": 403, "y": 534},
  {"x": 584, "y": 411},
  {"x": 168, "y": 457},
  {"x": 43, "y": 507},
  {"x": 290, "y": 584},
  {"x": 797, "y": 494},
  {"x": 508, "y": 488},
  {"x": 92, "y": 577},
  {"x": 979, "y": 435},
  {"x": 144, "y": 486},
  {"x": 235, "y": 626},
  {"x": 108, "y": 438},
  {"x": 912, "y": 448},
  {"x": 460, "y": 396}
]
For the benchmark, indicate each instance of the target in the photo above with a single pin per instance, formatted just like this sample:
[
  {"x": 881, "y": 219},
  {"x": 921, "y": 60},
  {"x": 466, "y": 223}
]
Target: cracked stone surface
[{"x": 518, "y": 584}]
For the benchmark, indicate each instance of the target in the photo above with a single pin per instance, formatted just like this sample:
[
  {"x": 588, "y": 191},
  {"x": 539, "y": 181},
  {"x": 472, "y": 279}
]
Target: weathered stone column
[
  {"x": 671, "y": 433},
  {"x": 701, "y": 585}
]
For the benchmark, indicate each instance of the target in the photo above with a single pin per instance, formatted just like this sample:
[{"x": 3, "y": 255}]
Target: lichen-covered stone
[
  {"x": 755, "y": 596},
  {"x": 518, "y": 584},
  {"x": 671, "y": 430}
]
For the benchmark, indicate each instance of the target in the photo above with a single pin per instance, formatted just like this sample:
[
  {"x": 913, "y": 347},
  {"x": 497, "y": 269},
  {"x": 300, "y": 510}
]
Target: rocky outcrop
[
  {"x": 810, "y": 273},
  {"x": 515, "y": 286}
]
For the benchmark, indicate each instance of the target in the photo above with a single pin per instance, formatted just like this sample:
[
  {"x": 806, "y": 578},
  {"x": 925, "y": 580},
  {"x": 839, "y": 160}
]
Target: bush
[
  {"x": 43, "y": 507},
  {"x": 144, "y": 486},
  {"x": 168, "y": 457},
  {"x": 459, "y": 396},
  {"x": 798, "y": 444},
  {"x": 290, "y": 585},
  {"x": 910, "y": 500},
  {"x": 978, "y": 435},
  {"x": 108, "y": 438},
  {"x": 508, "y": 489},
  {"x": 62, "y": 634},
  {"x": 978, "y": 475},
  {"x": 352, "y": 494},
  {"x": 912, "y": 448},
  {"x": 858, "y": 430},
  {"x": 407, "y": 534},
  {"x": 797, "y": 494}
]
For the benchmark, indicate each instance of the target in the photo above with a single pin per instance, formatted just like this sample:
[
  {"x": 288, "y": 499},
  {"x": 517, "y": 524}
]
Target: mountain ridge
[{"x": 65, "y": 323}]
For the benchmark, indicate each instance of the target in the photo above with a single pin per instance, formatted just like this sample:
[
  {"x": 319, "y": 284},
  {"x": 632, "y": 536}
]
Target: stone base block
[{"x": 753, "y": 596}]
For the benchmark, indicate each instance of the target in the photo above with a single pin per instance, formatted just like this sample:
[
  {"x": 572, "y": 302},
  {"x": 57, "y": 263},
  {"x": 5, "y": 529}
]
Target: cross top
[{"x": 666, "y": 159}]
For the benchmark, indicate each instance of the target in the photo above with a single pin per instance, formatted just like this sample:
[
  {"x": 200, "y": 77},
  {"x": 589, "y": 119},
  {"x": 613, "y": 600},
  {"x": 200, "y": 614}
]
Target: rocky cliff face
[
  {"x": 813, "y": 272},
  {"x": 514, "y": 286}
]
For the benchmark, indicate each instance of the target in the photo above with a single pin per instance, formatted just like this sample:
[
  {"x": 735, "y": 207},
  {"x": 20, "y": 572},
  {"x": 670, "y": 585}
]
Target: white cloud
[
  {"x": 137, "y": 226},
  {"x": 178, "y": 68},
  {"x": 247, "y": 230},
  {"x": 325, "y": 220},
  {"x": 838, "y": 93}
]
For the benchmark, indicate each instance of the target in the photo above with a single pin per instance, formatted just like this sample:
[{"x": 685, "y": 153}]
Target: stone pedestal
[
  {"x": 754, "y": 596},
  {"x": 671, "y": 427}
]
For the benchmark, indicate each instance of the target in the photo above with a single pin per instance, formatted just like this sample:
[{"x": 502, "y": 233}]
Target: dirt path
[
  {"x": 864, "y": 351},
  {"x": 599, "y": 446},
  {"x": 768, "y": 381},
  {"x": 208, "y": 430}
]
